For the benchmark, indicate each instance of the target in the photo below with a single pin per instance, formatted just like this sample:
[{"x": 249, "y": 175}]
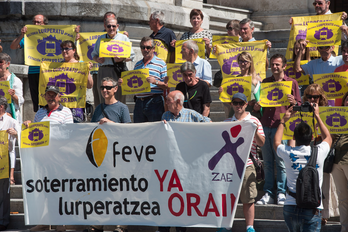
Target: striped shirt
[
  {"x": 252, "y": 119},
  {"x": 61, "y": 115},
  {"x": 157, "y": 69},
  {"x": 185, "y": 115}
]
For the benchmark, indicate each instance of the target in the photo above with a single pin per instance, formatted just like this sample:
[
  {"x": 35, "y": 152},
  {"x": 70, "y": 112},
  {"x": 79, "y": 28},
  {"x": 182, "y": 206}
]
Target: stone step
[{"x": 16, "y": 191}]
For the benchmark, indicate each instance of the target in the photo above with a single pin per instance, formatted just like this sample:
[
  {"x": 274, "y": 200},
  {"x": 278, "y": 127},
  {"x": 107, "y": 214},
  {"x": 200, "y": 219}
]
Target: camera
[{"x": 305, "y": 107}]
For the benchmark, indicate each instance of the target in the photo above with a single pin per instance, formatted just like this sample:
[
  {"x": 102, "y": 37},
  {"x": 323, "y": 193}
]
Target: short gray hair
[
  {"x": 109, "y": 79},
  {"x": 146, "y": 39},
  {"x": 3, "y": 102},
  {"x": 191, "y": 44},
  {"x": 5, "y": 57},
  {"x": 179, "y": 95},
  {"x": 187, "y": 66},
  {"x": 158, "y": 15},
  {"x": 247, "y": 20}
]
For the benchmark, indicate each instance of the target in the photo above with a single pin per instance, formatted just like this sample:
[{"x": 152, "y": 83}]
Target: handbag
[
  {"x": 330, "y": 159},
  {"x": 260, "y": 173}
]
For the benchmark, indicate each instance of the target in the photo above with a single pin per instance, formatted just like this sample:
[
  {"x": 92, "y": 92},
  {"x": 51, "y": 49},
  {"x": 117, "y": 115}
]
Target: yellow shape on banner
[
  {"x": 161, "y": 50},
  {"x": 299, "y": 77},
  {"x": 333, "y": 84},
  {"x": 274, "y": 94},
  {"x": 71, "y": 78},
  {"x": 235, "y": 85},
  {"x": 223, "y": 39},
  {"x": 227, "y": 55},
  {"x": 42, "y": 43},
  {"x": 112, "y": 48},
  {"x": 4, "y": 159},
  {"x": 174, "y": 74},
  {"x": 324, "y": 34},
  {"x": 85, "y": 46},
  {"x": 178, "y": 45},
  {"x": 134, "y": 81},
  {"x": 335, "y": 119},
  {"x": 36, "y": 135},
  {"x": 290, "y": 125},
  {"x": 4, "y": 87},
  {"x": 299, "y": 31}
]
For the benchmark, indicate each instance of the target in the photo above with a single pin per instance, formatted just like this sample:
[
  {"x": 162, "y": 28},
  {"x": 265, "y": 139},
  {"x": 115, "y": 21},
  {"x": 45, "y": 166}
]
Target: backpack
[{"x": 308, "y": 194}]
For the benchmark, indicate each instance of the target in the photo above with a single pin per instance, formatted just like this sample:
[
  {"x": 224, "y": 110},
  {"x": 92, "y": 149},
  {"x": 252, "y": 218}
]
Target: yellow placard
[
  {"x": 71, "y": 78},
  {"x": 4, "y": 87},
  {"x": 161, "y": 50},
  {"x": 178, "y": 45},
  {"x": 112, "y": 48},
  {"x": 222, "y": 39},
  {"x": 36, "y": 135},
  {"x": 301, "y": 78},
  {"x": 174, "y": 74},
  {"x": 42, "y": 43},
  {"x": 135, "y": 81},
  {"x": 290, "y": 125},
  {"x": 335, "y": 119},
  {"x": 227, "y": 55},
  {"x": 235, "y": 85},
  {"x": 274, "y": 94},
  {"x": 299, "y": 31},
  {"x": 4, "y": 160},
  {"x": 85, "y": 46},
  {"x": 333, "y": 84},
  {"x": 324, "y": 34}
]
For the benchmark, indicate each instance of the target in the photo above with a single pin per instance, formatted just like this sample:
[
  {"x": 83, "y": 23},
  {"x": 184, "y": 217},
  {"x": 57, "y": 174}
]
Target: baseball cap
[
  {"x": 240, "y": 96},
  {"x": 52, "y": 88}
]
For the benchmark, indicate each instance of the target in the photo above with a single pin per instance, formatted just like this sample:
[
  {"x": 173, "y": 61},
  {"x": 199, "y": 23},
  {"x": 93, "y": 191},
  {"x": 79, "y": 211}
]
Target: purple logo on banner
[
  {"x": 49, "y": 46},
  {"x": 229, "y": 63},
  {"x": 294, "y": 123},
  {"x": 336, "y": 120},
  {"x": 302, "y": 34},
  {"x": 66, "y": 85},
  {"x": 134, "y": 82},
  {"x": 323, "y": 34},
  {"x": 90, "y": 50},
  {"x": 114, "y": 48},
  {"x": 156, "y": 54},
  {"x": 235, "y": 88},
  {"x": 275, "y": 95},
  {"x": 177, "y": 76},
  {"x": 2, "y": 92},
  {"x": 35, "y": 135},
  {"x": 332, "y": 86},
  {"x": 290, "y": 73}
]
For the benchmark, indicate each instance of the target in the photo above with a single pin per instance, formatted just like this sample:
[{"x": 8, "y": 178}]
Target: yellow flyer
[
  {"x": 335, "y": 119},
  {"x": 235, "y": 85},
  {"x": 290, "y": 125},
  {"x": 85, "y": 46},
  {"x": 299, "y": 31},
  {"x": 174, "y": 74},
  {"x": 36, "y": 135},
  {"x": 42, "y": 43},
  {"x": 227, "y": 55},
  {"x": 324, "y": 34},
  {"x": 4, "y": 160},
  {"x": 274, "y": 94},
  {"x": 112, "y": 48},
  {"x": 301, "y": 78},
  {"x": 135, "y": 81},
  {"x": 178, "y": 45},
  {"x": 333, "y": 84},
  {"x": 71, "y": 78},
  {"x": 161, "y": 50},
  {"x": 223, "y": 39},
  {"x": 4, "y": 87}
]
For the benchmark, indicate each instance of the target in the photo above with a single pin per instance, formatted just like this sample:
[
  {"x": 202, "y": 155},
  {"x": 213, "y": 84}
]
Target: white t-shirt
[{"x": 296, "y": 158}]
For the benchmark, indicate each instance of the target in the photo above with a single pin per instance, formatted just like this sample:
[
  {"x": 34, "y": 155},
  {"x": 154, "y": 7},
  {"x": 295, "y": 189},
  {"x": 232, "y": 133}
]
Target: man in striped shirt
[{"x": 248, "y": 192}]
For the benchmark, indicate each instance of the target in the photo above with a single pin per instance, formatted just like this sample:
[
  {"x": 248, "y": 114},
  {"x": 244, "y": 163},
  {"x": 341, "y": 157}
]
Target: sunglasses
[
  {"x": 107, "y": 87},
  {"x": 66, "y": 49},
  {"x": 146, "y": 47},
  {"x": 230, "y": 28},
  {"x": 313, "y": 96},
  {"x": 243, "y": 61},
  {"x": 317, "y": 3},
  {"x": 235, "y": 103},
  {"x": 324, "y": 47},
  {"x": 38, "y": 22},
  {"x": 109, "y": 26}
]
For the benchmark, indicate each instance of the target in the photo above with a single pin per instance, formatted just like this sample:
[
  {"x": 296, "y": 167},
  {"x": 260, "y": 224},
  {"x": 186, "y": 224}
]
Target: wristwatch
[{"x": 156, "y": 82}]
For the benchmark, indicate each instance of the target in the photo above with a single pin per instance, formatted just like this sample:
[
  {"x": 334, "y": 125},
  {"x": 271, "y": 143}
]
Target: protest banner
[
  {"x": 290, "y": 125},
  {"x": 137, "y": 174},
  {"x": 4, "y": 87},
  {"x": 222, "y": 39},
  {"x": 178, "y": 45},
  {"x": 227, "y": 55},
  {"x": 134, "y": 81},
  {"x": 335, "y": 119},
  {"x": 36, "y": 135},
  {"x": 85, "y": 46},
  {"x": 274, "y": 94},
  {"x": 174, "y": 74},
  {"x": 4, "y": 158},
  {"x": 161, "y": 50},
  {"x": 333, "y": 84},
  {"x": 299, "y": 31},
  {"x": 42, "y": 43},
  {"x": 71, "y": 78},
  {"x": 324, "y": 34},
  {"x": 300, "y": 77},
  {"x": 235, "y": 85},
  {"x": 112, "y": 48}
]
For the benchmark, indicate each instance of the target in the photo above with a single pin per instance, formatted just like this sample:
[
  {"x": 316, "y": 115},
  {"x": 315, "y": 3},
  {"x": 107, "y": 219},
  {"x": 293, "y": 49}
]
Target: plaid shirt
[{"x": 185, "y": 115}]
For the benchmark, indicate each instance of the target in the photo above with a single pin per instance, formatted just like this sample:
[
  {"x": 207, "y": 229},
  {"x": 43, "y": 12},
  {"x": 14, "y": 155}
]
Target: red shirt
[{"x": 342, "y": 68}]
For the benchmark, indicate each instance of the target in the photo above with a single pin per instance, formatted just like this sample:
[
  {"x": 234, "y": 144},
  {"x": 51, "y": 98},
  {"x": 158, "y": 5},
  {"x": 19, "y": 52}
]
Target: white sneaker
[
  {"x": 266, "y": 199},
  {"x": 281, "y": 198}
]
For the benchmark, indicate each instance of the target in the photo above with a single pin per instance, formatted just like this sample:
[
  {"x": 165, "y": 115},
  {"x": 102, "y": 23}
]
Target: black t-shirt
[{"x": 199, "y": 94}]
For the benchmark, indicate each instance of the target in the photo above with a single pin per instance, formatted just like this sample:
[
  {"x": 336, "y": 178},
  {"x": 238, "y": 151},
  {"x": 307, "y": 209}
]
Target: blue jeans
[
  {"x": 299, "y": 219},
  {"x": 269, "y": 155},
  {"x": 148, "y": 109}
]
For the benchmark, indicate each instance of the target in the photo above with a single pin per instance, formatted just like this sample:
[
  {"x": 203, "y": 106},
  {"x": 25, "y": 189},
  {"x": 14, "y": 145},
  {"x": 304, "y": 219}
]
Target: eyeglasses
[
  {"x": 107, "y": 87},
  {"x": 317, "y": 3},
  {"x": 146, "y": 47},
  {"x": 324, "y": 47},
  {"x": 66, "y": 49},
  {"x": 243, "y": 61},
  {"x": 313, "y": 96},
  {"x": 37, "y": 22},
  {"x": 236, "y": 103},
  {"x": 230, "y": 28},
  {"x": 109, "y": 26}
]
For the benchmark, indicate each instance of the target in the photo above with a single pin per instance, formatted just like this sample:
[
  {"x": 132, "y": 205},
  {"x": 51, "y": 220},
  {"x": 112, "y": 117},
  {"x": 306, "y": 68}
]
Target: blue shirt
[
  {"x": 318, "y": 66},
  {"x": 185, "y": 115},
  {"x": 117, "y": 112},
  {"x": 203, "y": 69},
  {"x": 166, "y": 35}
]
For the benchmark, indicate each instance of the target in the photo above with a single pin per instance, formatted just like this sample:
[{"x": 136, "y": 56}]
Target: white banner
[{"x": 156, "y": 174}]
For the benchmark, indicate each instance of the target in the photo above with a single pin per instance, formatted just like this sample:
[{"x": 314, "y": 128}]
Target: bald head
[{"x": 175, "y": 101}]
